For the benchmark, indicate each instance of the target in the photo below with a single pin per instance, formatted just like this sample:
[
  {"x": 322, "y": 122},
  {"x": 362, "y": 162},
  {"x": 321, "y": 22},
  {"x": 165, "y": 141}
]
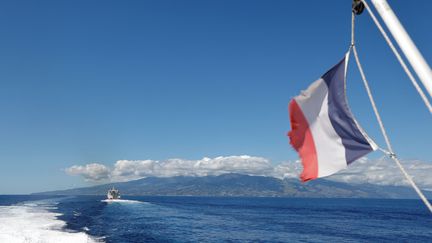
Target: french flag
[{"x": 323, "y": 129}]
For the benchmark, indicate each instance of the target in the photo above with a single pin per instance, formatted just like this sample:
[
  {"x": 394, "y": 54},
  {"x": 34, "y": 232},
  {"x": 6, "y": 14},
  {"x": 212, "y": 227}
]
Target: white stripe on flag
[{"x": 328, "y": 144}]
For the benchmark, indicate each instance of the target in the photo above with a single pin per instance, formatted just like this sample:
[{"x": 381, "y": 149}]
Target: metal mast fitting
[{"x": 357, "y": 7}]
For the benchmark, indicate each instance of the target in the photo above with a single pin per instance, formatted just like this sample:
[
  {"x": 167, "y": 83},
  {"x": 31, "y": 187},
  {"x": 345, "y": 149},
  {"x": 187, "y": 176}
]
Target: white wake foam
[
  {"x": 33, "y": 222},
  {"x": 120, "y": 201}
]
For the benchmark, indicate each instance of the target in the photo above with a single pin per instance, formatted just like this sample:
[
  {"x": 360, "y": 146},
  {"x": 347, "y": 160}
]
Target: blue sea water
[{"x": 212, "y": 219}]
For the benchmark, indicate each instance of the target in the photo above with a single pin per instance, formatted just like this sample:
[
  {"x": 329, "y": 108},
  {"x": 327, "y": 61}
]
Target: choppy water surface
[{"x": 209, "y": 219}]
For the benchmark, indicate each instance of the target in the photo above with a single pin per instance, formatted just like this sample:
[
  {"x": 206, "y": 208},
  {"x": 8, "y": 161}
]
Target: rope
[
  {"x": 390, "y": 152},
  {"x": 366, "y": 84},
  {"x": 398, "y": 56}
]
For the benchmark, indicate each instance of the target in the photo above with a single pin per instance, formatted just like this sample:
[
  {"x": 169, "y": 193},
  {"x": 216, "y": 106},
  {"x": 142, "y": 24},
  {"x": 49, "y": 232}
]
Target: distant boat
[{"x": 113, "y": 194}]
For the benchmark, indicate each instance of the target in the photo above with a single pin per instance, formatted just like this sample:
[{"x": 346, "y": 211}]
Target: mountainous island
[{"x": 243, "y": 186}]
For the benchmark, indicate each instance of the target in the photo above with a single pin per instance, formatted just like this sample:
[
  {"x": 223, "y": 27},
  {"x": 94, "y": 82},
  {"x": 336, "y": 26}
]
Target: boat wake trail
[
  {"x": 122, "y": 201},
  {"x": 33, "y": 222}
]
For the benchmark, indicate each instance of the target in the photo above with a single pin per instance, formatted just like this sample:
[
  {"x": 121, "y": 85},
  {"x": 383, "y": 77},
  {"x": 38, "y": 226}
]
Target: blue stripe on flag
[{"x": 355, "y": 143}]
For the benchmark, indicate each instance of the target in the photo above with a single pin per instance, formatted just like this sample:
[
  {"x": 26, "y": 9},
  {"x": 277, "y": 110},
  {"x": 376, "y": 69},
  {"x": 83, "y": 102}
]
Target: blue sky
[{"x": 101, "y": 81}]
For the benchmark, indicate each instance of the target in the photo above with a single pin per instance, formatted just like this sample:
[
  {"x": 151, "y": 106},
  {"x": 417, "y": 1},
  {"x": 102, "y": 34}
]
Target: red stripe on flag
[{"x": 302, "y": 141}]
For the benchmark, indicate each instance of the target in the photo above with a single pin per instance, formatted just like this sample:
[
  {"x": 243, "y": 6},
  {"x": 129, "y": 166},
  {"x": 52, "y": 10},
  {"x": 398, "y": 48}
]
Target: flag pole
[{"x": 405, "y": 42}]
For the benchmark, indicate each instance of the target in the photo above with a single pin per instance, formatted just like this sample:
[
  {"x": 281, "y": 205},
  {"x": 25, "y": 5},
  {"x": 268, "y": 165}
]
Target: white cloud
[
  {"x": 287, "y": 170},
  {"x": 133, "y": 169},
  {"x": 90, "y": 172},
  {"x": 124, "y": 170},
  {"x": 380, "y": 171},
  {"x": 384, "y": 171}
]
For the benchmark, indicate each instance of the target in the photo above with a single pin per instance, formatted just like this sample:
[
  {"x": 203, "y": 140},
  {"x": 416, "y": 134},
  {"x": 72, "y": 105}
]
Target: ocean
[{"x": 211, "y": 219}]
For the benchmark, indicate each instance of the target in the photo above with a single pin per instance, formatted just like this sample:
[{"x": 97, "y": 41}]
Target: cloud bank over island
[
  {"x": 374, "y": 171},
  {"x": 125, "y": 170}
]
